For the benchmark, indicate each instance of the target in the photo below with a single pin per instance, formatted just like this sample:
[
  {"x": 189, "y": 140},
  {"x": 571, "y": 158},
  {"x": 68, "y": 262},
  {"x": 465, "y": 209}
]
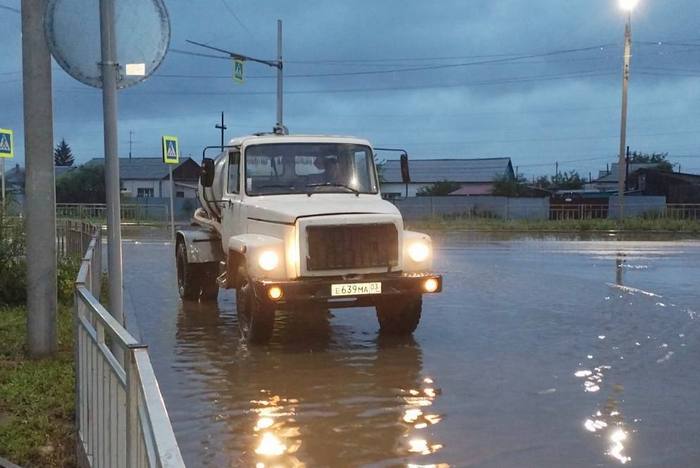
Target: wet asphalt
[{"x": 540, "y": 352}]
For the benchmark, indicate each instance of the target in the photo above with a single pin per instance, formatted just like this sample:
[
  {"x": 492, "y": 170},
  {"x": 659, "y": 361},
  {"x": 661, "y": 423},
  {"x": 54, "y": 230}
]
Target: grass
[
  {"x": 37, "y": 407},
  {"x": 571, "y": 225}
]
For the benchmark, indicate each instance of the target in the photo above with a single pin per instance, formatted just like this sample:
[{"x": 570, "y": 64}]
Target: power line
[
  {"x": 515, "y": 80},
  {"x": 462, "y": 64},
  {"x": 238, "y": 20}
]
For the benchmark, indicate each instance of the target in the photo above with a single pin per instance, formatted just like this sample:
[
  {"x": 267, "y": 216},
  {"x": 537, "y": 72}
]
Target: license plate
[{"x": 356, "y": 289}]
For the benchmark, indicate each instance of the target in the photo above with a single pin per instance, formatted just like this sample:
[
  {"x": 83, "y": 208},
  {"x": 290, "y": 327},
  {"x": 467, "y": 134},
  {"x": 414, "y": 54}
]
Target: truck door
[{"x": 231, "y": 211}]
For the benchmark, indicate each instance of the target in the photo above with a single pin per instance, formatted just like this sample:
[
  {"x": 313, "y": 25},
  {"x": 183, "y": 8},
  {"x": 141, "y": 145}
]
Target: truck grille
[{"x": 352, "y": 246}]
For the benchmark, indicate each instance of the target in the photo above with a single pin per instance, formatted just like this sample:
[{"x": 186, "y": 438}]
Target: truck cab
[{"x": 297, "y": 221}]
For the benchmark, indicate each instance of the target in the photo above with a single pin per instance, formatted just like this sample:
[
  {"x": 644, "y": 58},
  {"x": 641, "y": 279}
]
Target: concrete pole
[
  {"x": 40, "y": 207},
  {"x": 623, "y": 121},
  {"x": 172, "y": 204},
  {"x": 280, "y": 67},
  {"x": 109, "y": 109}
]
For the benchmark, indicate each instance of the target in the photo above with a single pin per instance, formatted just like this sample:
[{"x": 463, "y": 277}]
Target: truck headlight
[
  {"x": 419, "y": 251},
  {"x": 268, "y": 260}
]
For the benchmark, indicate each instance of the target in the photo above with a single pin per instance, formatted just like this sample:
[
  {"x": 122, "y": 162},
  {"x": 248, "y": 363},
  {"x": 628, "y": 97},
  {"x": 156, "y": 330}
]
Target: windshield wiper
[{"x": 333, "y": 184}]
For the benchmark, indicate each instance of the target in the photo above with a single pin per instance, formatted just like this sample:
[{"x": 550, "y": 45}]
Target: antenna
[
  {"x": 131, "y": 142},
  {"x": 222, "y": 127}
]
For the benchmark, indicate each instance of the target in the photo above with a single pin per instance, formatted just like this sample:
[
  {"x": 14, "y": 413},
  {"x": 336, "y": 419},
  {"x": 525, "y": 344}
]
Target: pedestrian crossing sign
[
  {"x": 7, "y": 149},
  {"x": 238, "y": 76},
  {"x": 171, "y": 151}
]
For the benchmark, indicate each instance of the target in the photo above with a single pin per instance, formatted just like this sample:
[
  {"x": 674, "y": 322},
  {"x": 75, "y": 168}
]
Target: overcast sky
[{"x": 562, "y": 103}]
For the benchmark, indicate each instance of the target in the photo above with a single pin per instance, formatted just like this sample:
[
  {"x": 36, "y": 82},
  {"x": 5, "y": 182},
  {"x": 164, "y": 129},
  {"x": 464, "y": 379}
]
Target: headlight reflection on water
[{"x": 416, "y": 415}]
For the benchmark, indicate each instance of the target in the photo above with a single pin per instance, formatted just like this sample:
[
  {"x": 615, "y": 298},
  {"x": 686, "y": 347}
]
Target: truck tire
[
  {"x": 400, "y": 317},
  {"x": 256, "y": 320},
  {"x": 188, "y": 285}
]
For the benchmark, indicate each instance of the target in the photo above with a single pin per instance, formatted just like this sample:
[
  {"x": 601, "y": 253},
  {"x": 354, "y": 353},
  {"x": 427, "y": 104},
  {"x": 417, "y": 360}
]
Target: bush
[
  {"x": 13, "y": 270},
  {"x": 13, "y": 267}
]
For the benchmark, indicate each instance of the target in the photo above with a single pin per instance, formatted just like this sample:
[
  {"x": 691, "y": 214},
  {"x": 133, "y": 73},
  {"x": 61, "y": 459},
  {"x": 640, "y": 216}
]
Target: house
[
  {"x": 476, "y": 176},
  {"x": 607, "y": 179},
  {"x": 149, "y": 177},
  {"x": 678, "y": 188}
]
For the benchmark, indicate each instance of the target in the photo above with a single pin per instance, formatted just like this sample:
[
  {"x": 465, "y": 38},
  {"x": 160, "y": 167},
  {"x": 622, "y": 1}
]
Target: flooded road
[{"x": 538, "y": 353}]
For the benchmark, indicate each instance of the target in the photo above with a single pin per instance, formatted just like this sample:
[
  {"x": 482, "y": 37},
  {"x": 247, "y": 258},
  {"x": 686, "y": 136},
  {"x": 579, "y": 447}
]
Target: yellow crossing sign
[
  {"x": 7, "y": 149},
  {"x": 238, "y": 75},
  {"x": 171, "y": 150}
]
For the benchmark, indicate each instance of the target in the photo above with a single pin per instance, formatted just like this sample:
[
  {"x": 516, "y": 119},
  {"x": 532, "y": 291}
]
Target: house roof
[
  {"x": 612, "y": 176},
  {"x": 693, "y": 179},
  {"x": 455, "y": 170},
  {"x": 142, "y": 168}
]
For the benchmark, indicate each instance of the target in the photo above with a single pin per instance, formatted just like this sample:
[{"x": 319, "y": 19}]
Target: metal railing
[
  {"x": 121, "y": 418},
  {"x": 682, "y": 211},
  {"x": 590, "y": 211},
  {"x": 130, "y": 213}
]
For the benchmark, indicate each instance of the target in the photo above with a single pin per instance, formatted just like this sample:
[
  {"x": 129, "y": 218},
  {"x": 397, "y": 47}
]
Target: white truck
[{"x": 295, "y": 221}]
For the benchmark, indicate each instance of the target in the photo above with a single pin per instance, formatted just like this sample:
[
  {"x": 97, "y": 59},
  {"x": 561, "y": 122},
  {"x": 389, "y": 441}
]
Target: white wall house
[{"x": 149, "y": 177}]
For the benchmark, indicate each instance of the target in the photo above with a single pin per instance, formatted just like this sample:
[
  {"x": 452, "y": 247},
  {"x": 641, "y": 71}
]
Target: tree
[
  {"x": 660, "y": 159},
  {"x": 543, "y": 182},
  {"x": 439, "y": 189},
  {"x": 85, "y": 184},
  {"x": 568, "y": 181},
  {"x": 62, "y": 155},
  {"x": 506, "y": 186}
]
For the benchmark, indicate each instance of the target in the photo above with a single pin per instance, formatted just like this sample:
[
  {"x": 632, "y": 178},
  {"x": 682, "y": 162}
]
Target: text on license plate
[{"x": 354, "y": 289}]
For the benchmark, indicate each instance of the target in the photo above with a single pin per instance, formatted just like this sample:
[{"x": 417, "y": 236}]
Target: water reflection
[{"x": 319, "y": 394}]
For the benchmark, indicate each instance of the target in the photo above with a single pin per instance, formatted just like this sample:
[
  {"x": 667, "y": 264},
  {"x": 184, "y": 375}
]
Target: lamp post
[{"x": 627, "y": 6}]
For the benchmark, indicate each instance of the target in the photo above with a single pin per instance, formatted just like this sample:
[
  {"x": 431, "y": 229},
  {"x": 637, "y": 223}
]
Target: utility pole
[
  {"x": 109, "y": 109},
  {"x": 222, "y": 127},
  {"x": 131, "y": 141},
  {"x": 627, "y": 168},
  {"x": 280, "y": 66},
  {"x": 40, "y": 205},
  {"x": 623, "y": 119}
]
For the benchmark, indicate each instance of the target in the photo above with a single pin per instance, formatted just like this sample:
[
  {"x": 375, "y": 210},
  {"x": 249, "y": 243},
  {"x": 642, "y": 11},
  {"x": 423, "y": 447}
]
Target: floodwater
[{"x": 539, "y": 353}]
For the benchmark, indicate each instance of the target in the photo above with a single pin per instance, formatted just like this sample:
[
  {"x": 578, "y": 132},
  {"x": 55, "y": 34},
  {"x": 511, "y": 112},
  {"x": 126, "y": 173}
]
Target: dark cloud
[{"x": 538, "y": 109}]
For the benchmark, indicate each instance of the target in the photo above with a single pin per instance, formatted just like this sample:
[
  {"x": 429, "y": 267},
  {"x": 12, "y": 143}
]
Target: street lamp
[{"x": 627, "y": 6}]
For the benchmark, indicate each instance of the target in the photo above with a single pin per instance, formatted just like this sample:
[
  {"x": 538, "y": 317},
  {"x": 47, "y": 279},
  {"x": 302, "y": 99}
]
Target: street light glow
[{"x": 628, "y": 5}]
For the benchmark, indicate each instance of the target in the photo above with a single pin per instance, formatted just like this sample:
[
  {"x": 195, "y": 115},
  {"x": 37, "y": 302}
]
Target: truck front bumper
[{"x": 318, "y": 291}]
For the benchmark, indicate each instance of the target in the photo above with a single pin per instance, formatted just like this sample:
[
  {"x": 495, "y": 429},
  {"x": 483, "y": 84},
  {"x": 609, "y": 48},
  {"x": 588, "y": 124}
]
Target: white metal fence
[
  {"x": 121, "y": 418},
  {"x": 130, "y": 213}
]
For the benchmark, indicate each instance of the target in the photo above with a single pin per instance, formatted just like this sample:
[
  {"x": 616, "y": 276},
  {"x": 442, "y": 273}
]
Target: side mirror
[
  {"x": 405, "y": 175},
  {"x": 206, "y": 177}
]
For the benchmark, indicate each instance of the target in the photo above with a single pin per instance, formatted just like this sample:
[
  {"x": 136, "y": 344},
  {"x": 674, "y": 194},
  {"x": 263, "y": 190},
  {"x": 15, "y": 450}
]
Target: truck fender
[
  {"x": 202, "y": 246},
  {"x": 250, "y": 246}
]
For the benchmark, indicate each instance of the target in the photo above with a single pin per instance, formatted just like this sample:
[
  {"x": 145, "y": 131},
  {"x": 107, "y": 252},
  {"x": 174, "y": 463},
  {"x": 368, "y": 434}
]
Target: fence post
[{"x": 132, "y": 402}]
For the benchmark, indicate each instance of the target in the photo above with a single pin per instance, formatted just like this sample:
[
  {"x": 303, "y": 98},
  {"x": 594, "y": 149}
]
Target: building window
[
  {"x": 179, "y": 194},
  {"x": 144, "y": 192}
]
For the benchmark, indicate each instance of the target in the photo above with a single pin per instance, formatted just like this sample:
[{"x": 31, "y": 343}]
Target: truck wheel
[
  {"x": 256, "y": 320},
  {"x": 210, "y": 288},
  {"x": 188, "y": 285},
  {"x": 400, "y": 317}
]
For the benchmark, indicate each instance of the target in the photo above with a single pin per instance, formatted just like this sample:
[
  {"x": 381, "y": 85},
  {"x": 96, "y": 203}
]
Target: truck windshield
[{"x": 288, "y": 168}]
